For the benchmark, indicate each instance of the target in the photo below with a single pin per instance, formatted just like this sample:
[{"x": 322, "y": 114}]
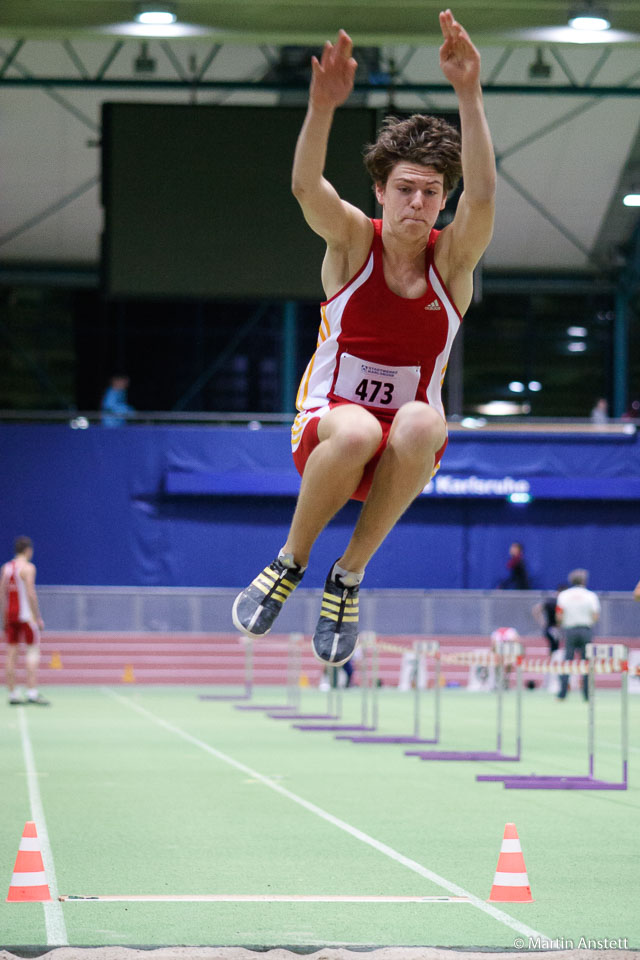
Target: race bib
[{"x": 375, "y": 385}]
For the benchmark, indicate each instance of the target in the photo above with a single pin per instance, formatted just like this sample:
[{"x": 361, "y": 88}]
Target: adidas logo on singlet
[{"x": 434, "y": 305}]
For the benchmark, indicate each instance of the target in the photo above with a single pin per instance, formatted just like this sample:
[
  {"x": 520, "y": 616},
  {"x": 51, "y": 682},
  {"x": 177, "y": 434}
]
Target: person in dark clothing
[
  {"x": 544, "y": 613},
  {"x": 518, "y": 578}
]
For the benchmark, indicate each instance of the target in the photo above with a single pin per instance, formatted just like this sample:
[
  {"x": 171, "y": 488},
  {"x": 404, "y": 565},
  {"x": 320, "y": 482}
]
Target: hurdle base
[
  {"x": 303, "y": 716},
  {"x": 459, "y": 755},
  {"x": 383, "y": 739},
  {"x": 330, "y": 726},
  {"x": 551, "y": 782}
]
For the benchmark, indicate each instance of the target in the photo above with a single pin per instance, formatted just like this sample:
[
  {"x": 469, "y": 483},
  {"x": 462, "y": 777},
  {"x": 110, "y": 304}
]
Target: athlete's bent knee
[
  {"x": 354, "y": 433},
  {"x": 32, "y": 656},
  {"x": 356, "y": 443},
  {"x": 418, "y": 426}
]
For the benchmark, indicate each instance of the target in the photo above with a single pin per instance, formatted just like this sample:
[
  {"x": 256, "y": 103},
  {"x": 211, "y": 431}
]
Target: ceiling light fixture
[
  {"x": 155, "y": 14},
  {"x": 473, "y": 423},
  {"x": 632, "y": 199},
  {"x": 589, "y": 15},
  {"x": 538, "y": 69},
  {"x": 503, "y": 408}
]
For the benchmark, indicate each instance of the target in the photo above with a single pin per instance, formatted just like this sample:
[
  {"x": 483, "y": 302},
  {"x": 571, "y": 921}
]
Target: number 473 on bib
[{"x": 375, "y": 391}]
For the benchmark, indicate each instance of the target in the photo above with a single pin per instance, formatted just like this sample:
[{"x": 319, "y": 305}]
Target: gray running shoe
[
  {"x": 336, "y": 636},
  {"x": 39, "y": 700},
  {"x": 255, "y": 609}
]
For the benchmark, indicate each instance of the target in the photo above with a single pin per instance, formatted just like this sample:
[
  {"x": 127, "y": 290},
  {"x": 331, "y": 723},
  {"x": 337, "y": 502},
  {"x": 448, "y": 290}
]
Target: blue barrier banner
[
  {"x": 209, "y": 506},
  {"x": 231, "y": 483},
  {"x": 543, "y": 488},
  {"x": 285, "y": 483}
]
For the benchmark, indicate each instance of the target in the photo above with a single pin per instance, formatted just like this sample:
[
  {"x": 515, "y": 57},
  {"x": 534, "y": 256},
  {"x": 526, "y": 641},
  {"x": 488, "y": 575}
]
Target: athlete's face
[{"x": 412, "y": 198}]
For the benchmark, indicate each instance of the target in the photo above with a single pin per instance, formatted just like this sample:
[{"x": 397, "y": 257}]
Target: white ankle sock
[
  {"x": 289, "y": 561},
  {"x": 348, "y": 577}
]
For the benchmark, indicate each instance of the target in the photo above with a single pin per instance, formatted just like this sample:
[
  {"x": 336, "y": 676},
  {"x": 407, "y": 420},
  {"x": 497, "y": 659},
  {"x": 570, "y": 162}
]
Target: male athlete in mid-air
[{"x": 371, "y": 423}]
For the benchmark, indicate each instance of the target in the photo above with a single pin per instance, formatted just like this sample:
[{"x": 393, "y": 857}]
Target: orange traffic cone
[
  {"x": 56, "y": 661},
  {"x": 511, "y": 884},
  {"x": 29, "y": 881}
]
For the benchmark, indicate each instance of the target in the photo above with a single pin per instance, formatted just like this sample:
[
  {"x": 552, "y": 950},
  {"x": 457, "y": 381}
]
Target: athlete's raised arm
[
  {"x": 331, "y": 83},
  {"x": 463, "y": 242}
]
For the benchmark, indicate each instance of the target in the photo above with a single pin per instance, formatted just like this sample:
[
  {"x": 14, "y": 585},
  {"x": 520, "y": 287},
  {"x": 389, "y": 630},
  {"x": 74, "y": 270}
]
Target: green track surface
[{"x": 133, "y": 806}]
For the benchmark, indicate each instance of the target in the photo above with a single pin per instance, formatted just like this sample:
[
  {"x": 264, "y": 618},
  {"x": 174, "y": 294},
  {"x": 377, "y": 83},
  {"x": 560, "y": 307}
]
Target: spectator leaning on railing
[{"x": 114, "y": 405}]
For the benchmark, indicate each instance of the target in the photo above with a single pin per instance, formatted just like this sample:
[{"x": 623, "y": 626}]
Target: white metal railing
[
  {"x": 82, "y": 419},
  {"x": 417, "y": 612}
]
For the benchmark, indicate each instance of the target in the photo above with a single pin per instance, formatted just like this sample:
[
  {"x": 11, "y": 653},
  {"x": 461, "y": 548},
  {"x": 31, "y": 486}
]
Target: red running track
[{"x": 218, "y": 658}]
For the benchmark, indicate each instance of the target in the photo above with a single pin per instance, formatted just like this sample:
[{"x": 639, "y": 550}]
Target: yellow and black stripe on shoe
[
  {"x": 256, "y": 608},
  {"x": 336, "y": 635}
]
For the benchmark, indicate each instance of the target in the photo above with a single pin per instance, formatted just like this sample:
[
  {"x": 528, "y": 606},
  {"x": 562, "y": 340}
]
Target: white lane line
[
  {"x": 387, "y": 851},
  {"x": 255, "y": 898},
  {"x": 53, "y": 916}
]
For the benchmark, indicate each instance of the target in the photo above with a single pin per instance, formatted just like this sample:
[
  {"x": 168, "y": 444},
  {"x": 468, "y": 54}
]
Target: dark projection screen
[{"x": 198, "y": 201}]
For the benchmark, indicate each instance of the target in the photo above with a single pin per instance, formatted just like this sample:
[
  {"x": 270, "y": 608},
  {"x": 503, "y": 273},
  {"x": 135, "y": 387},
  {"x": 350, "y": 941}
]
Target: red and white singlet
[
  {"x": 18, "y": 616},
  {"x": 376, "y": 348}
]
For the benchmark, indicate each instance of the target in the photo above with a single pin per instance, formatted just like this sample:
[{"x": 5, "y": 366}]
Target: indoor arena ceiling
[
  {"x": 564, "y": 114},
  {"x": 310, "y": 21}
]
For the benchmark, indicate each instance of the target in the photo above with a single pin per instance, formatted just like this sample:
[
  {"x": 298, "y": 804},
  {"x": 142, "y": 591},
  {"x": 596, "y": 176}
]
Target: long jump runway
[{"x": 171, "y": 820}]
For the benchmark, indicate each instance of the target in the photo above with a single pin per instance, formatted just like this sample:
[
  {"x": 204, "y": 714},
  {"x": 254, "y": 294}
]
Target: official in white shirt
[{"x": 577, "y": 610}]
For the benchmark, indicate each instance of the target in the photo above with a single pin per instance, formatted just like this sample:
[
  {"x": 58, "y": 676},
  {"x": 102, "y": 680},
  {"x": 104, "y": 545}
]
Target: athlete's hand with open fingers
[
  {"x": 459, "y": 59},
  {"x": 332, "y": 76}
]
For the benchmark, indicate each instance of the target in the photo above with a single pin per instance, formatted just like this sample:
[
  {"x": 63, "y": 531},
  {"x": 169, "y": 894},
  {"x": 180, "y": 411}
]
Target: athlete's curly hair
[{"x": 429, "y": 141}]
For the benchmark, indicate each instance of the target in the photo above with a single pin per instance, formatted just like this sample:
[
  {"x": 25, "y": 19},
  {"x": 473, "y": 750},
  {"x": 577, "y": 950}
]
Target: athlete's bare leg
[
  {"x": 406, "y": 465},
  {"x": 32, "y": 675},
  {"x": 349, "y": 436},
  {"x": 10, "y": 666}
]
